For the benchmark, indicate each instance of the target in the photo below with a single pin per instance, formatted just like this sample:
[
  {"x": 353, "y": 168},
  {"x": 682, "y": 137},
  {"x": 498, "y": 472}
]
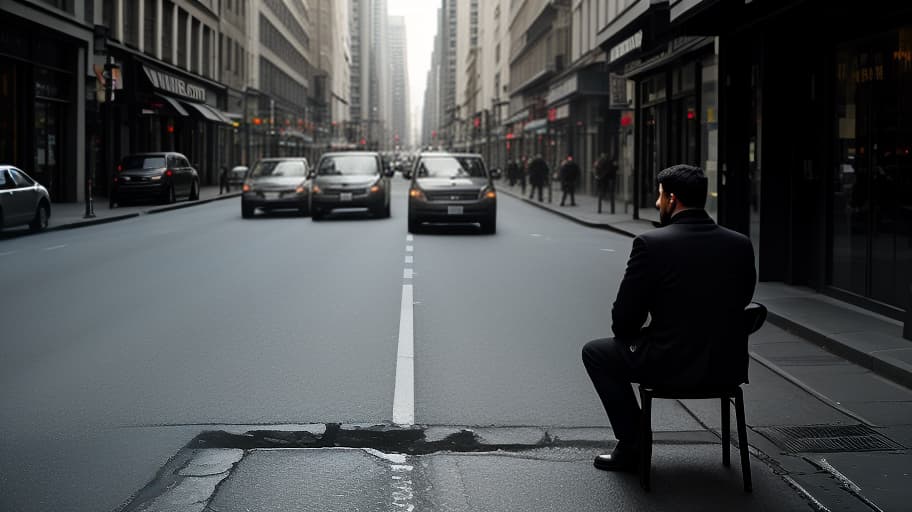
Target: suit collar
[{"x": 692, "y": 216}]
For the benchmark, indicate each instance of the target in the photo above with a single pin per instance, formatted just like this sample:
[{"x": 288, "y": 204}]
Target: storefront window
[
  {"x": 709, "y": 131},
  {"x": 872, "y": 210}
]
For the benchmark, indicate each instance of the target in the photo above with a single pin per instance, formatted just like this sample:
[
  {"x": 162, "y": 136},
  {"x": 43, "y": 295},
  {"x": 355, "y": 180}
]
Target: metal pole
[{"x": 108, "y": 74}]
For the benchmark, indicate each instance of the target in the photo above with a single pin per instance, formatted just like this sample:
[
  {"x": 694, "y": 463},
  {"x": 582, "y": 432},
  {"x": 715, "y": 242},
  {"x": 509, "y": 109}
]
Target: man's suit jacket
[{"x": 693, "y": 278}]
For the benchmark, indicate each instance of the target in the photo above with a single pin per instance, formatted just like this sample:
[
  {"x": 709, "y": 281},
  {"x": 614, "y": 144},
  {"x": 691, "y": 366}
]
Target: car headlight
[
  {"x": 488, "y": 193},
  {"x": 416, "y": 193},
  {"x": 316, "y": 189},
  {"x": 248, "y": 186},
  {"x": 156, "y": 178},
  {"x": 302, "y": 189}
]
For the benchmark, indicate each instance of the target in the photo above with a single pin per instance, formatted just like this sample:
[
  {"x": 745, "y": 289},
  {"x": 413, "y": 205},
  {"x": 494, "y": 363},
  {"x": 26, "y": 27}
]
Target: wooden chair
[{"x": 754, "y": 316}]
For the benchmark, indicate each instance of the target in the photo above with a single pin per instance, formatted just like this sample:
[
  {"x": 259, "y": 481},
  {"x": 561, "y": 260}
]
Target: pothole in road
[{"x": 417, "y": 440}]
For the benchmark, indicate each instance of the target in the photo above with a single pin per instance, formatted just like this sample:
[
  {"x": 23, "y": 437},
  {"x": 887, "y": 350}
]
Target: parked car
[
  {"x": 236, "y": 176},
  {"x": 351, "y": 180},
  {"x": 22, "y": 200},
  {"x": 451, "y": 188},
  {"x": 164, "y": 176},
  {"x": 277, "y": 184}
]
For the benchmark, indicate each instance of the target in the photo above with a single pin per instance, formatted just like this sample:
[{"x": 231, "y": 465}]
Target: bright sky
[{"x": 420, "y": 28}]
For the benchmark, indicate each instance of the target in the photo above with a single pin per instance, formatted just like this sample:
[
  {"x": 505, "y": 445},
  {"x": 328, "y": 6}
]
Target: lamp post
[{"x": 109, "y": 74}]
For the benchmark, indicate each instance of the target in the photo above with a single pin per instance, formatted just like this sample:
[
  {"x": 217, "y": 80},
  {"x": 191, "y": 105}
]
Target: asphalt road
[{"x": 122, "y": 342}]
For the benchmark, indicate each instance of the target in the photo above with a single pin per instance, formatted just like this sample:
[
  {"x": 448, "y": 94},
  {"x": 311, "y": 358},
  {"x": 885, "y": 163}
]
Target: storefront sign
[
  {"x": 618, "y": 92},
  {"x": 563, "y": 89},
  {"x": 626, "y": 46},
  {"x": 174, "y": 85}
]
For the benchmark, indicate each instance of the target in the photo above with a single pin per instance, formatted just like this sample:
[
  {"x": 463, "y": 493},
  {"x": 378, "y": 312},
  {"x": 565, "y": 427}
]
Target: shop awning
[
  {"x": 535, "y": 125},
  {"x": 174, "y": 104},
  {"x": 208, "y": 113}
]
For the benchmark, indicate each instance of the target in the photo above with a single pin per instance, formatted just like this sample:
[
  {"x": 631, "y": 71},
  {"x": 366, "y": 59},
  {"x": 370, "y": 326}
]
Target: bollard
[{"x": 907, "y": 328}]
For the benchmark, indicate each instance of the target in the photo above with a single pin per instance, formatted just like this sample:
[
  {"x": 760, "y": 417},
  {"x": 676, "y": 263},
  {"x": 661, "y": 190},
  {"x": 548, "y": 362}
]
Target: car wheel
[
  {"x": 246, "y": 211},
  {"x": 194, "y": 191},
  {"x": 40, "y": 222},
  {"x": 489, "y": 227}
]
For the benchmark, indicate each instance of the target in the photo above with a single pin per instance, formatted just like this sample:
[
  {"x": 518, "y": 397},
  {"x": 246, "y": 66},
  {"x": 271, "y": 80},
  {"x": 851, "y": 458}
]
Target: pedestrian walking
[
  {"x": 512, "y": 171},
  {"x": 568, "y": 175},
  {"x": 605, "y": 177},
  {"x": 694, "y": 279},
  {"x": 523, "y": 170},
  {"x": 538, "y": 176},
  {"x": 223, "y": 180}
]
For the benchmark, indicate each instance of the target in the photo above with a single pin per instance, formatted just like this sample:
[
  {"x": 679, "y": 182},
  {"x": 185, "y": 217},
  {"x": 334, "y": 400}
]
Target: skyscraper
[{"x": 399, "y": 118}]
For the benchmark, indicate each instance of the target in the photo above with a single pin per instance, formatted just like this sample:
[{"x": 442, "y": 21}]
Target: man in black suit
[{"x": 694, "y": 279}]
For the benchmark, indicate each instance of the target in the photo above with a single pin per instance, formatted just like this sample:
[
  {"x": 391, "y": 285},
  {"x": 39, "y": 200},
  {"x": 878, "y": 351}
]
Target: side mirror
[{"x": 496, "y": 174}]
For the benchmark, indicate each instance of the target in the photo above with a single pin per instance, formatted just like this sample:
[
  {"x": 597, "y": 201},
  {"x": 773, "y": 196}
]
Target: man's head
[{"x": 681, "y": 187}]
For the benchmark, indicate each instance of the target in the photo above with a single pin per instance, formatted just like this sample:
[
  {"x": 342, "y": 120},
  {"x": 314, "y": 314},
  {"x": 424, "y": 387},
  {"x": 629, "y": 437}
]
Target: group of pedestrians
[{"x": 538, "y": 173}]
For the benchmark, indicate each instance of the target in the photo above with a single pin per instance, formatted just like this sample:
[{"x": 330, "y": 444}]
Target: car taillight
[
  {"x": 246, "y": 187},
  {"x": 169, "y": 173},
  {"x": 119, "y": 168}
]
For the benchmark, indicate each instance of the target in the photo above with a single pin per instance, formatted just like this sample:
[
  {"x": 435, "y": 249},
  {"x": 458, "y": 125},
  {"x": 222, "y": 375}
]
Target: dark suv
[
  {"x": 350, "y": 180},
  {"x": 451, "y": 188},
  {"x": 162, "y": 176}
]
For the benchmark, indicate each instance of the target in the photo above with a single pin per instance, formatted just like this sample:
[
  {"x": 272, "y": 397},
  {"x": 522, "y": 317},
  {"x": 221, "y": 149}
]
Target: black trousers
[
  {"x": 534, "y": 187},
  {"x": 568, "y": 190},
  {"x": 612, "y": 371}
]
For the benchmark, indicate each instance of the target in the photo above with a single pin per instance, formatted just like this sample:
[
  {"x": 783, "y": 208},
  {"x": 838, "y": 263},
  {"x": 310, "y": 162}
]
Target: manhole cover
[{"x": 828, "y": 438}]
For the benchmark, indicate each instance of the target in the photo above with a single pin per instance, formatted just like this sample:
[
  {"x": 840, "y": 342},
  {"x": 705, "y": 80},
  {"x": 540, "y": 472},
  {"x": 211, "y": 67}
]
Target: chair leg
[
  {"x": 726, "y": 432},
  {"x": 645, "y": 465},
  {"x": 742, "y": 441}
]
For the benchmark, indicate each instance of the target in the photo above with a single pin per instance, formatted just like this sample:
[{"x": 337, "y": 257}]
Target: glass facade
[{"x": 871, "y": 243}]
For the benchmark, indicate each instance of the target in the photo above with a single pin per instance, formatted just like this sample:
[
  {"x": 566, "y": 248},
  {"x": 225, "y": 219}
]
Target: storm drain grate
[{"x": 828, "y": 438}]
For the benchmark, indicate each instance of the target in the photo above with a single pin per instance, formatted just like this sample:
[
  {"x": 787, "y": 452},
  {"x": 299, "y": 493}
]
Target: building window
[
  {"x": 182, "y": 38},
  {"x": 195, "y": 45},
  {"x": 167, "y": 31},
  {"x": 149, "y": 27},
  {"x": 131, "y": 24},
  {"x": 207, "y": 52}
]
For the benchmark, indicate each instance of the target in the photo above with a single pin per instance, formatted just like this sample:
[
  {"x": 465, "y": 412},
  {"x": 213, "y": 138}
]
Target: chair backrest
[{"x": 754, "y": 316}]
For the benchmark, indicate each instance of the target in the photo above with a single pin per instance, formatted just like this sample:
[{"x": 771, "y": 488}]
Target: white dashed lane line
[
  {"x": 409, "y": 248},
  {"x": 608, "y": 250},
  {"x": 407, "y": 273},
  {"x": 410, "y": 259},
  {"x": 404, "y": 394},
  {"x": 54, "y": 248}
]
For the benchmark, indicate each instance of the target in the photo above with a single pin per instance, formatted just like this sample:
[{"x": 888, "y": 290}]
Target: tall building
[
  {"x": 370, "y": 90},
  {"x": 430, "y": 119},
  {"x": 332, "y": 83},
  {"x": 400, "y": 115},
  {"x": 282, "y": 70},
  {"x": 494, "y": 78}
]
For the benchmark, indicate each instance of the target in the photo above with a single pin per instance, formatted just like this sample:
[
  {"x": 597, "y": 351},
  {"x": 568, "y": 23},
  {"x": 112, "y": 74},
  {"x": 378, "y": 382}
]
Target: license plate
[
  {"x": 271, "y": 195},
  {"x": 345, "y": 196},
  {"x": 454, "y": 210}
]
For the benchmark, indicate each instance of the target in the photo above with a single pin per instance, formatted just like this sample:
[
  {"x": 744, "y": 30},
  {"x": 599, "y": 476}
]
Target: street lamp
[{"x": 110, "y": 72}]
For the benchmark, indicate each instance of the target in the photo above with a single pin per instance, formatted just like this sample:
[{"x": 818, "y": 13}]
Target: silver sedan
[{"x": 22, "y": 200}]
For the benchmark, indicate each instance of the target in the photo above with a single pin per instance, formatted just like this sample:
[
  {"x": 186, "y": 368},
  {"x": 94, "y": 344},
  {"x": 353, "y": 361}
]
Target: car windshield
[
  {"x": 144, "y": 162},
  {"x": 348, "y": 165},
  {"x": 451, "y": 167},
  {"x": 279, "y": 168}
]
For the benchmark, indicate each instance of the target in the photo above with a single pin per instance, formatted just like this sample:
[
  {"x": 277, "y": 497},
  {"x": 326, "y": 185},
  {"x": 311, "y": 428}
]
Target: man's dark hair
[{"x": 687, "y": 183}]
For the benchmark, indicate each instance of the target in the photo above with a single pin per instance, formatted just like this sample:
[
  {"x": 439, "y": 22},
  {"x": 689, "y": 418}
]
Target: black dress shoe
[{"x": 618, "y": 460}]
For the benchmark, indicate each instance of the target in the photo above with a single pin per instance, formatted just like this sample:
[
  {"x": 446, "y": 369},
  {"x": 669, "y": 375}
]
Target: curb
[
  {"x": 93, "y": 222},
  {"x": 188, "y": 204},
  {"x": 597, "y": 225},
  {"x": 895, "y": 370},
  {"x": 115, "y": 218}
]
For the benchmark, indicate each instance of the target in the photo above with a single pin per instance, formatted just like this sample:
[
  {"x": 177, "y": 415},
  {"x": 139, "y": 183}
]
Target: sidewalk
[
  {"x": 865, "y": 338},
  {"x": 72, "y": 215}
]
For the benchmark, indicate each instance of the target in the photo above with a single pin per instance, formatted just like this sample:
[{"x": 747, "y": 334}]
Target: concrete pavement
[{"x": 868, "y": 339}]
